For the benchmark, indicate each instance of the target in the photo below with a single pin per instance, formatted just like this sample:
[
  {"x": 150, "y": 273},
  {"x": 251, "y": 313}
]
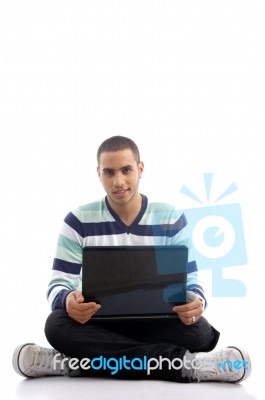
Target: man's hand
[
  {"x": 78, "y": 310},
  {"x": 191, "y": 312}
]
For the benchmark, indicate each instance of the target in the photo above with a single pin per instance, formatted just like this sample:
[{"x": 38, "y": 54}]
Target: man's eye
[
  {"x": 108, "y": 173},
  {"x": 125, "y": 170}
]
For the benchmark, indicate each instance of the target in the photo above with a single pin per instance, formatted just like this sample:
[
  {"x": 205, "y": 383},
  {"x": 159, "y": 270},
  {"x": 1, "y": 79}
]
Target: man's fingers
[
  {"x": 78, "y": 296},
  {"x": 78, "y": 310},
  {"x": 187, "y": 307},
  {"x": 189, "y": 313},
  {"x": 87, "y": 313},
  {"x": 83, "y": 316},
  {"x": 82, "y": 306}
]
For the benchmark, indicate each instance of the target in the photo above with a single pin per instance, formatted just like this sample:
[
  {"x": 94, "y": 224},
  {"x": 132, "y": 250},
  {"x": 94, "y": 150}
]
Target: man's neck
[{"x": 128, "y": 212}]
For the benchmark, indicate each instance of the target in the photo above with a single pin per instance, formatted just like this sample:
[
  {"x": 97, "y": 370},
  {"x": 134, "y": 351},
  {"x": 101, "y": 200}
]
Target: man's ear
[
  {"x": 141, "y": 168},
  {"x": 98, "y": 172}
]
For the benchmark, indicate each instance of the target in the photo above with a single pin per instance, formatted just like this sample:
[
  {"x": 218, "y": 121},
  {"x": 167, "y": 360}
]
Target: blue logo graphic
[
  {"x": 231, "y": 365},
  {"x": 218, "y": 238}
]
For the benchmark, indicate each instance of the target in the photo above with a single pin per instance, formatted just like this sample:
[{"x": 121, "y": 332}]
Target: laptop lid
[{"x": 135, "y": 281}]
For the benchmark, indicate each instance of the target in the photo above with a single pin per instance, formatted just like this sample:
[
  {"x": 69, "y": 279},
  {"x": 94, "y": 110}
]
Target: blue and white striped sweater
[{"x": 96, "y": 224}]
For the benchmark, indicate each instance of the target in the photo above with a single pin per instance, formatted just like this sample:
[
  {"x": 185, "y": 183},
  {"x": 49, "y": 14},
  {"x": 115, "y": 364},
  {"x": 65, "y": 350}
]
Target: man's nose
[{"x": 118, "y": 180}]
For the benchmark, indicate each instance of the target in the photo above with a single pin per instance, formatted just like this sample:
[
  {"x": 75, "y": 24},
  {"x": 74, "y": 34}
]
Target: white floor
[{"x": 64, "y": 388}]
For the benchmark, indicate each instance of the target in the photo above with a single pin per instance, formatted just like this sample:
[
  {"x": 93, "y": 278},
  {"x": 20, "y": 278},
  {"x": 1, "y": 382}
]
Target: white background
[{"x": 184, "y": 79}]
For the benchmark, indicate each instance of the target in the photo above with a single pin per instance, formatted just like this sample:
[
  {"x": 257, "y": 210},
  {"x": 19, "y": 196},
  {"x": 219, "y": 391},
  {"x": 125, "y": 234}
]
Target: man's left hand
[{"x": 191, "y": 312}]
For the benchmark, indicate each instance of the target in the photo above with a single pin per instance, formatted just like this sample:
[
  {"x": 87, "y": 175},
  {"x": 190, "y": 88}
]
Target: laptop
[{"x": 135, "y": 281}]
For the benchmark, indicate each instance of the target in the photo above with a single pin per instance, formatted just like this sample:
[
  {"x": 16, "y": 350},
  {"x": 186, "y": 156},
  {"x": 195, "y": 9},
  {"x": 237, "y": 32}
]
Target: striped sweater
[{"x": 96, "y": 224}]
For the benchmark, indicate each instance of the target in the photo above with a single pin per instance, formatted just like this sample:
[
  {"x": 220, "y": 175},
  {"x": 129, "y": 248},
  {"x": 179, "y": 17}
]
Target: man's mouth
[{"x": 122, "y": 191}]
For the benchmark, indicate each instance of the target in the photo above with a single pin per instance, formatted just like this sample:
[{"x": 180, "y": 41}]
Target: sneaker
[
  {"x": 32, "y": 361},
  {"x": 231, "y": 364}
]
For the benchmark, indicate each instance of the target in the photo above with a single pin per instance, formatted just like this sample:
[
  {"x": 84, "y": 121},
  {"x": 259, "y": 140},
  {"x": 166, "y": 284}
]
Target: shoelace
[
  {"x": 211, "y": 366},
  {"x": 43, "y": 359}
]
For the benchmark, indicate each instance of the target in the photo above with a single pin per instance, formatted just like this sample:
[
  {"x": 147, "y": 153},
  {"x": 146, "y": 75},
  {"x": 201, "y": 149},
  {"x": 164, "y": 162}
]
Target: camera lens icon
[
  {"x": 213, "y": 236},
  {"x": 217, "y": 236}
]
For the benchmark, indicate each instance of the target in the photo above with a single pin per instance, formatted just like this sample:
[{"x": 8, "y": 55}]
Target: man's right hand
[{"x": 78, "y": 310}]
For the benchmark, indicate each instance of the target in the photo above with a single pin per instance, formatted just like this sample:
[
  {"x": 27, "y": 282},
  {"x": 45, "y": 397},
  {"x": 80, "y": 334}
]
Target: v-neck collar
[{"x": 130, "y": 228}]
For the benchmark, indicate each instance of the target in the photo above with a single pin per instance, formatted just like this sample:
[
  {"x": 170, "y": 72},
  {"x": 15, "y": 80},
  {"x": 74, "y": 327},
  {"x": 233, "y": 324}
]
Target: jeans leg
[
  {"x": 138, "y": 339},
  {"x": 200, "y": 336}
]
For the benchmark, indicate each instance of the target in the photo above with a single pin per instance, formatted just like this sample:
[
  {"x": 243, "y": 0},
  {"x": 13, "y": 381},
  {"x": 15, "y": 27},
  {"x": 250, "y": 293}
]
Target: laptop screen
[{"x": 135, "y": 281}]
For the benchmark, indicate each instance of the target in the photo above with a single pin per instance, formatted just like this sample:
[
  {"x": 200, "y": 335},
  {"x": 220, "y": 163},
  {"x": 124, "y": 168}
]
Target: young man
[{"x": 173, "y": 349}]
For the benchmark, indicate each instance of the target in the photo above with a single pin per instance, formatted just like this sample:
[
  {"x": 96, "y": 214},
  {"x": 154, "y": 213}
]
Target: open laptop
[{"x": 135, "y": 281}]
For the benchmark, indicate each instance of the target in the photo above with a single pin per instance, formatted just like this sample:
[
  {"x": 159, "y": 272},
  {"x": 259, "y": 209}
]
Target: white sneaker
[
  {"x": 231, "y": 364},
  {"x": 31, "y": 361}
]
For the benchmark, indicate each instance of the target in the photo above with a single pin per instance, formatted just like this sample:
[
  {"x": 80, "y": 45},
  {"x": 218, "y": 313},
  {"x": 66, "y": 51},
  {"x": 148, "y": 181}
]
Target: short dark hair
[{"x": 116, "y": 143}]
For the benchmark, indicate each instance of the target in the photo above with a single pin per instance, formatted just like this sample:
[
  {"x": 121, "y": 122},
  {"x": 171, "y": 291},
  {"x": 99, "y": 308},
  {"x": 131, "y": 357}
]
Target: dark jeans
[{"x": 168, "y": 338}]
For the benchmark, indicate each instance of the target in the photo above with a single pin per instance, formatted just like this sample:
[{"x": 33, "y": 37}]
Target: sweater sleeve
[{"x": 67, "y": 263}]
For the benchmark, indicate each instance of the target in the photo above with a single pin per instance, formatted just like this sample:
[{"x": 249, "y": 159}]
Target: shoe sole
[
  {"x": 246, "y": 359},
  {"x": 16, "y": 357}
]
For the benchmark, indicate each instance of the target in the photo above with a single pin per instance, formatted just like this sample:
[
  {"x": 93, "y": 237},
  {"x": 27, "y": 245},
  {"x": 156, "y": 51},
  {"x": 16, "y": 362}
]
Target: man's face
[{"x": 119, "y": 174}]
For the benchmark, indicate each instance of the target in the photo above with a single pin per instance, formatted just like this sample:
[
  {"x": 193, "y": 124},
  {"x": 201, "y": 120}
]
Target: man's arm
[{"x": 67, "y": 263}]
